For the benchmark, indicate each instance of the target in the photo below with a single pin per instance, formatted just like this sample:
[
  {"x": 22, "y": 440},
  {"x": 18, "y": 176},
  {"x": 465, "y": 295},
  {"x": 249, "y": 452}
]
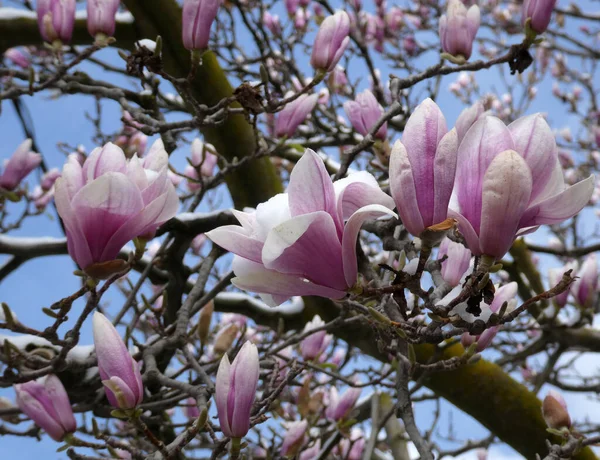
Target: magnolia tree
[{"x": 286, "y": 249}]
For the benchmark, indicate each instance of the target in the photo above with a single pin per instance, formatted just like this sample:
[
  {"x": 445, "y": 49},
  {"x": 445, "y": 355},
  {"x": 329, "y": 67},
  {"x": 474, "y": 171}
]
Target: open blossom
[
  {"x": 235, "y": 390},
  {"x": 331, "y": 42},
  {"x": 297, "y": 243},
  {"x": 110, "y": 200},
  {"x": 294, "y": 114},
  {"x": 46, "y": 402},
  {"x": 20, "y": 164},
  {"x": 364, "y": 113},
  {"x": 585, "y": 286},
  {"x": 119, "y": 372},
  {"x": 505, "y": 293},
  {"x": 56, "y": 19},
  {"x": 458, "y": 28},
  {"x": 101, "y": 16},
  {"x": 422, "y": 168},
  {"x": 197, "y": 18},
  {"x": 204, "y": 159},
  {"x": 509, "y": 181},
  {"x": 457, "y": 262},
  {"x": 539, "y": 12}
]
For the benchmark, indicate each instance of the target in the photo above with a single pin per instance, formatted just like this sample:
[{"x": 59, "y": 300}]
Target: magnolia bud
[{"x": 554, "y": 410}]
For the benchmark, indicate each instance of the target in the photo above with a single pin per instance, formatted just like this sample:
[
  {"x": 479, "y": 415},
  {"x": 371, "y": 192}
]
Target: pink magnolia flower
[
  {"x": 235, "y": 390},
  {"x": 422, "y": 168},
  {"x": 56, "y": 19},
  {"x": 46, "y": 402},
  {"x": 110, "y": 200},
  {"x": 20, "y": 164},
  {"x": 509, "y": 181},
  {"x": 364, "y": 113},
  {"x": 331, "y": 42},
  {"x": 315, "y": 344},
  {"x": 352, "y": 449},
  {"x": 585, "y": 286},
  {"x": 197, "y": 18},
  {"x": 458, "y": 28},
  {"x": 457, "y": 263},
  {"x": 101, "y": 16},
  {"x": 294, "y": 114},
  {"x": 296, "y": 243},
  {"x": 294, "y": 438},
  {"x": 340, "y": 406},
  {"x": 119, "y": 372},
  {"x": 539, "y": 12},
  {"x": 311, "y": 452},
  {"x": 17, "y": 57},
  {"x": 505, "y": 293}
]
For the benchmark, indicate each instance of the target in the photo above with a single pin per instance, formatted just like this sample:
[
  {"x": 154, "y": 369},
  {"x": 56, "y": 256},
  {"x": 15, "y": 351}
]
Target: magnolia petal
[
  {"x": 506, "y": 190},
  {"x": 468, "y": 232},
  {"x": 351, "y": 232},
  {"x": 307, "y": 246},
  {"x": 254, "y": 277},
  {"x": 310, "y": 187},
  {"x": 560, "y": 207},
  {"x": 235, "y": 239},
  {"x": 402, "y": 185},
  {"x": 246, "y": 372},
  {"x": 222, "y": 394},
  {"x": 444, "y": 173}
]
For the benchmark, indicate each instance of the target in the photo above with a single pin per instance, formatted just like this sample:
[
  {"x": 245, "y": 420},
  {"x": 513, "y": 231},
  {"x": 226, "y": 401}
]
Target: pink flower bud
[
  {"x": 294, "y": 114},
  {"x": 316, "y": 343},
  {"x": 458, "y": 28},
  {"x": 190, "y": 409},
  {"x": 17, "y": 57},
  {"x": 197, "y": 243},
  {"x": 338, "y": 82},
  {"x": 539, "y": 12},
  {"x": 294, "y": 438},
  {"x": 41, "y": 198},
  {"x": 422, "y": 168},
  {"x": 20, "y": 164},
  {"x": 235, "y": 391},
  {"x": 554, "y": 277},
  {"x": 312, "y": 452},
  {"x": 46, "y": 402},
  {"x": 56, "y": 19},
  {"x": 555, "y": 412},
  {"x": 339, "y": 407},
  {"x": 331, "y": 42},
  {"x": 101, "y": 16},
  {"x": 585, "y": 286},
  {"x": 409, "y": 43},
  {"x": 292, "y": 6},
  {"x": 119, "y": 372},
  {"x": 49, "y": 178},
  {"x": 457, "y": 263},
  {"x": 198, "y": 16},
  {"x": 364, "y": 113},
  {"x": 109, "y": 201},
  {"x": 271, "y": 22}
]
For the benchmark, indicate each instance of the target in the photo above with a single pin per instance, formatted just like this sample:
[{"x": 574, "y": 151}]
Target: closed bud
[
  {"x": 20, "y": 164},
  {"x": 313, "y": 345},
  {"x": 198, "y": 16},
  {"x": 458, "y": 28},
  {"x": 119, "y": 372},
  {"x": 235, "y": 390},
  {"x": 585, "y": 286},
  {"x": 294, "y": 438},
  {"x": 56, "y": 19},
  {"x": 331, "y": 42},
  {"x": 294, "y": 114},
  {"x": 204, "y": 321},
  {"x": 554, "y": 410},
  {"x": 225, "y": 338},
  {"x": 539, "y": 12},
  {"x": 101, "y": 17},
  {"x": 46, "y": 402},
  {"x": 364, "y": 114}
]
